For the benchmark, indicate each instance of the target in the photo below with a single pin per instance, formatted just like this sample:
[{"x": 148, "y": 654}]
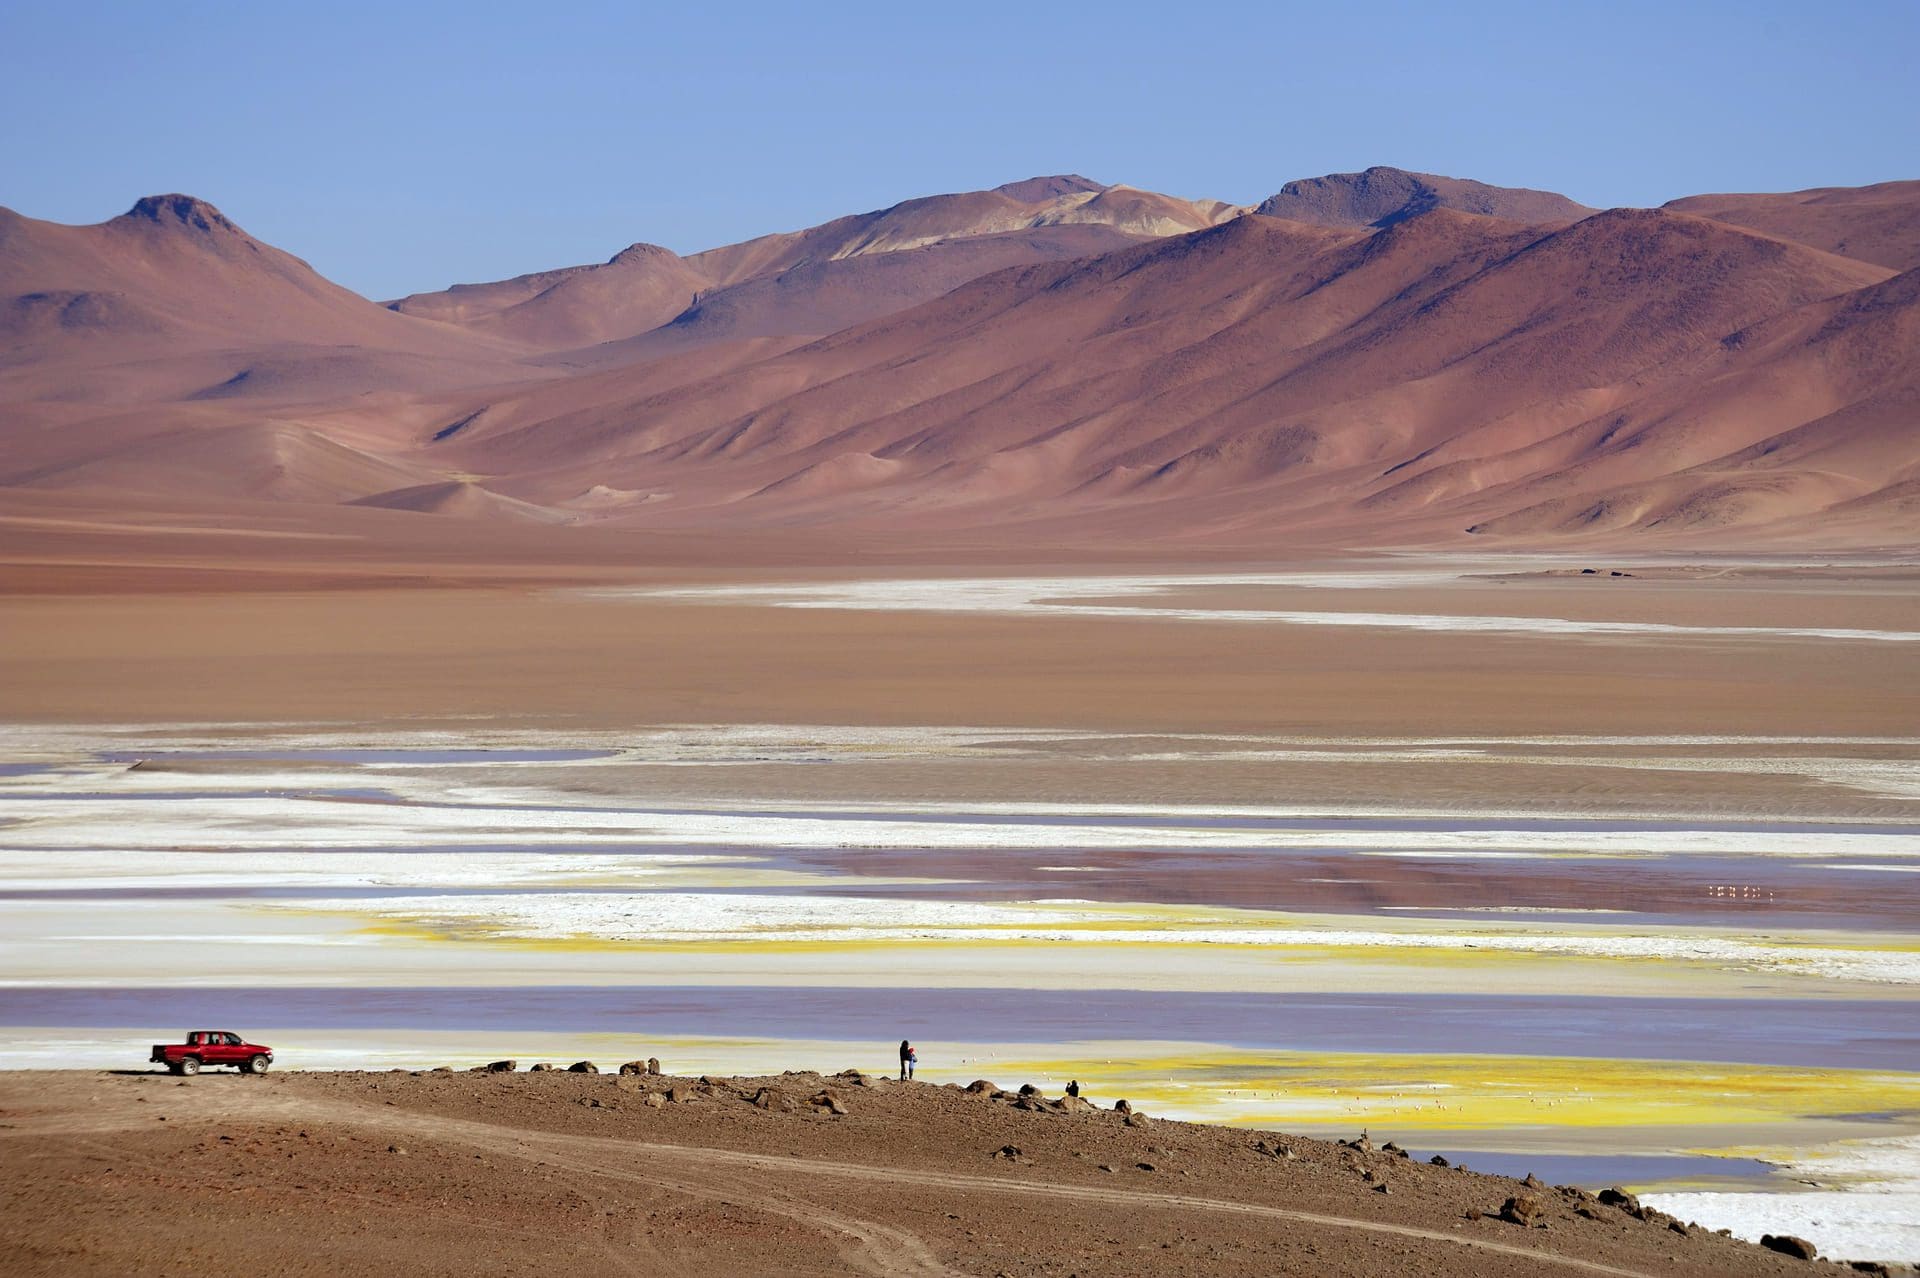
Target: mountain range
[{"x": 1380, "y": 357}]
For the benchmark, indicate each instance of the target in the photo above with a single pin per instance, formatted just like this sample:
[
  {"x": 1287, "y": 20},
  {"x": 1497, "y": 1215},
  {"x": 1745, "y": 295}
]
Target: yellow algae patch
[{"x": 1441, "y": 1092}]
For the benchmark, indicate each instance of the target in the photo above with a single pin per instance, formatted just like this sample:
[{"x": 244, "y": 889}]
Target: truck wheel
[
  {"x": 189, "y": 1065},
  {"x": 256, "y": 1065}
]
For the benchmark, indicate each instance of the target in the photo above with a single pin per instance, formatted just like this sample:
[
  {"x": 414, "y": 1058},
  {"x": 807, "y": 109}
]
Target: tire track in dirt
[
  {"x": 899, "y": 1251},
  {"x": 738, "y": 1177}
]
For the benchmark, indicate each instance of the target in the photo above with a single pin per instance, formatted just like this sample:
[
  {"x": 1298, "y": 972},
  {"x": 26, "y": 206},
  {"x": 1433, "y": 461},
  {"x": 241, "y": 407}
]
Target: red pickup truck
[{"x": 213, "y": 1047}]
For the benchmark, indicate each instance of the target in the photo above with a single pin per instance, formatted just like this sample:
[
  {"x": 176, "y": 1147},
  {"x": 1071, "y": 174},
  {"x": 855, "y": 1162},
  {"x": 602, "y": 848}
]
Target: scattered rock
[
  {"x": 1106, "y": 1167},
  {"x": 1678, "y": 1228},
  {"x": 1788, "y": 1245},
  {"x": 1283, "y": 1152},
  {"x": 1028, "y": 1089},
  {"x": 829, "y": 1102},
  {"x": 441, "y": 1069},
  {"x": 395, "y": 1149},
  {"x": 583, "y": 1067},
  {"x": 681, "y": 1094},
  {"x": 1589, "y": 1211},
  {"x": 1871, "y": 1267},
  {"x": 1121, "y": 1107},
  {"x": 772, "y": 1098},
  {"x": 1439, "y": 1160},
  {"x": 1474, "y": 1213},
  {"x": 654, "y": 1100},
  {"x": 653, "y": 1064},
  {"x": 1533, "y": 1182},
  {"x": 1523, "y": 1209},
  {"x": 541, "y": 1068},
  {"x": 1074, "y": 1105},
  {"x": 1381, "y": 1188},
  {"x": 1008, "y": 1152},
  {"x": 501, "y": 1067},
  {"x": 856, "y": 1078},
  {"x": 1146, "y": 1167},
  {"x": 1618, "y": 1197},
  {"x": 1136, "y": 1120},
  {"x": 1391, "y": 1148},
  {"x": 635, "y": 1067},
  {"x": 980, "y": 1085}
]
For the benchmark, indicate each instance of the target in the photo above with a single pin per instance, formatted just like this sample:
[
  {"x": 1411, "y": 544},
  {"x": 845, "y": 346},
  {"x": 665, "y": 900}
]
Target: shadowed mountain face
[
  {"x": 1382, "y": 196},
  {"x": 1400, "y": 358}
]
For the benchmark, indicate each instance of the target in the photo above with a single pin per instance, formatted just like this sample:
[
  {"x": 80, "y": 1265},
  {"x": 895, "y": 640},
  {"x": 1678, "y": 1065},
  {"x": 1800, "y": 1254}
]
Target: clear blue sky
[{"x": 401, "y": 147}]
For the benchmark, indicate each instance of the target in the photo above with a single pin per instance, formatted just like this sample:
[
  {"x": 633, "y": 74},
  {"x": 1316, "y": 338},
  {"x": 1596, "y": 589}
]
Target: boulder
[
  {"x": 1391, "y": 1148},
  {"x": 1028, "y": 1089},
  {"x": 980, "y": 1085},
  {"x": 654, "y": 1100},
  {"x": 1439, "y": 1160},
  {"x": 501, "y": 1067},
  {"x": 541, "y": 1068},
  {"x": 682, "y": 1094},
  {"x": 1523, "y": 1209},
  {"x": 1873, "y": 1267},
  {"x": 635, "y": 1067},
  {"x": 583, "y": 1067},
  {"x": 1533, "y": 1182},
  {"x": 1788, "y": 1245},
  {"x": 1618, "y": 1197},
  {"x": 1589, "y": 1211},
  {"x": 653, "y": 1064},
  {"x": 1008, "y": 1152},
  {"x": 1136, "y": 1120},
  {"x": 856, "y": 1078},
  {"x": 828, "y": 1102},
  {"x": 772, "y": 1098},
  {"x": 1121, "y": 1107}
]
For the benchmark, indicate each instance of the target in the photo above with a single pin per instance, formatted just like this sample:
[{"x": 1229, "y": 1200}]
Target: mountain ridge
[{"x": 1398, "y": 362}]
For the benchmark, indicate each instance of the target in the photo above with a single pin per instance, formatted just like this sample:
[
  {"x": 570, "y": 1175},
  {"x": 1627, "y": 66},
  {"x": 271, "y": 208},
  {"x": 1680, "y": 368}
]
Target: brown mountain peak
[
  {"x": 179, "y": 210},
  {"x": 1039, "y": 190},
  {"x": 1383, "y": 195},
  {"x": 635, "y": 254}
]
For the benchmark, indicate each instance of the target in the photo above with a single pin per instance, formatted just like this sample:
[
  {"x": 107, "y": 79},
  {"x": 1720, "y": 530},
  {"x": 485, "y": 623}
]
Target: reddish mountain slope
[
  {"x": 1879, "y": 224},
  {"x": 639, "y": 288},
  {"x": 171, "y": 300},
  {"x": 1260, "y": 375}
]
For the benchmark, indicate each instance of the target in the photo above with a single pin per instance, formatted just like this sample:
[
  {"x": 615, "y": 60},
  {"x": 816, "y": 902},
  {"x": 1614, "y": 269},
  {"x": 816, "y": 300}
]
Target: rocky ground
[{"x": 470, "y": 1172}]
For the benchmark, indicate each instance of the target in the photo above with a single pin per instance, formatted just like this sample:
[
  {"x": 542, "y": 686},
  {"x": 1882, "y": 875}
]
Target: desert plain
[
  {"x": 1406, "y": 661},
  {"x": 1605, "y": 876}
]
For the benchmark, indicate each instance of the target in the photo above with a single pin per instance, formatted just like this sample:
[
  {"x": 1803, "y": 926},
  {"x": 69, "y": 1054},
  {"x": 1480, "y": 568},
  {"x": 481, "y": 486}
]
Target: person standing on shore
[{"x": 907, "y": 1058}]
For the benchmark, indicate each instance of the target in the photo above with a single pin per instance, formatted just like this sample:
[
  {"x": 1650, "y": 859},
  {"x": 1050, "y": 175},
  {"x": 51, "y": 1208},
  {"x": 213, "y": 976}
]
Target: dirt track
[{"x": 467, "y": 1173}]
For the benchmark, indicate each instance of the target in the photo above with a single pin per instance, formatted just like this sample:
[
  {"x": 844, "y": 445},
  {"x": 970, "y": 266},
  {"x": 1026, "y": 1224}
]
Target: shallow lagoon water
[{"x": 248, "y": 837}]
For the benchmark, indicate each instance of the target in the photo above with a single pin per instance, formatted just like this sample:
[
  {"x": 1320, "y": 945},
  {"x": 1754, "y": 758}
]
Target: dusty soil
[
  {"x": 466, "y": 1173},
  {"x": 557, "y": 658}
]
